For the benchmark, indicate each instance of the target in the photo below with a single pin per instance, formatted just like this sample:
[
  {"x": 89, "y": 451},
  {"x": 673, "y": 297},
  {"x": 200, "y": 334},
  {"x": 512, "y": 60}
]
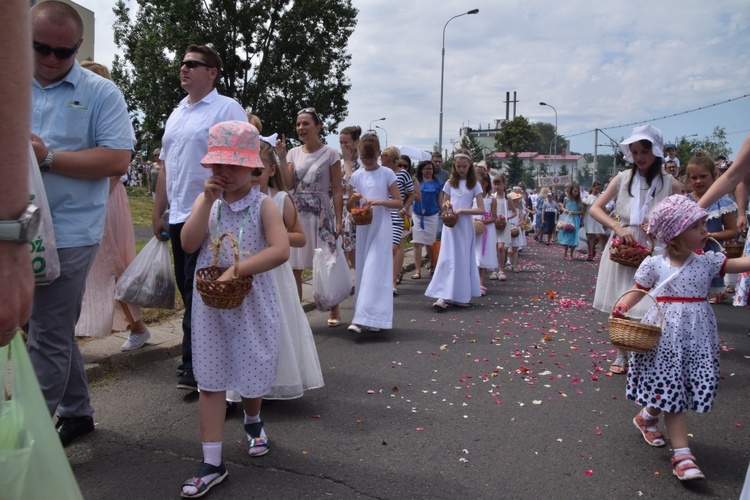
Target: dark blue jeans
[{"x": 184, "y": 273}]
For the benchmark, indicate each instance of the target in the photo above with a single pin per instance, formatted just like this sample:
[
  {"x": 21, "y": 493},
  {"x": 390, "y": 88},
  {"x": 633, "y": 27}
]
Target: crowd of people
[{"x": 216, "y": 175}]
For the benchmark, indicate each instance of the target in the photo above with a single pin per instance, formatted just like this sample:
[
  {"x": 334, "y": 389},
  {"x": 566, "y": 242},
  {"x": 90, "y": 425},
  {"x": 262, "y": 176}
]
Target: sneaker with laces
[{"x": 136, "y": 340}]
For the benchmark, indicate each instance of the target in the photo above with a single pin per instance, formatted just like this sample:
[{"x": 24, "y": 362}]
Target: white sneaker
[
  {"x": 439, "y": 304},
  {"x": 136, "y": 340},
  {"x": 354, "y": 328}
]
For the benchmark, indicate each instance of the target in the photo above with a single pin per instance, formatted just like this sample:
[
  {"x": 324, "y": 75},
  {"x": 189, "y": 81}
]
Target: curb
[{"x": 102, "y": 355}]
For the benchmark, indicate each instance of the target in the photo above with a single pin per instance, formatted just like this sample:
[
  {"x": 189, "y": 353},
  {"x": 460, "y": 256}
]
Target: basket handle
[
  {"x": 235, "y": 247},
  {"x": 658, "y": 308}
]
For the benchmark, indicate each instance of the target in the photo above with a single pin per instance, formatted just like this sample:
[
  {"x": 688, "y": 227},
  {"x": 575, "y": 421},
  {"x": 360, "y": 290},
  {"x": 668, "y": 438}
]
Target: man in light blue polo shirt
[{"x": 81, "y": 134}]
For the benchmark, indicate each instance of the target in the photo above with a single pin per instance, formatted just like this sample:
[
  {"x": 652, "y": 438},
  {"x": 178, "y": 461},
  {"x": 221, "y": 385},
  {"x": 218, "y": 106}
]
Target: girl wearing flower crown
[
  {"x": 682, "y": 372},
  {"x": 456, "y": 278}
]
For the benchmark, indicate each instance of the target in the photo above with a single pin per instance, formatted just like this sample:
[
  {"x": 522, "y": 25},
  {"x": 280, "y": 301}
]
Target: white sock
[
  {"x": 252, "y": 419},
  {"x": 693, "y": 470},
  {"x": 647, "y": 415},
  {"x": 211, "y": 455}
]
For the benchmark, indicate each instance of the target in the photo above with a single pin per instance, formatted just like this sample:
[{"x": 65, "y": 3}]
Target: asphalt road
[{"x": 508, "y": 398}]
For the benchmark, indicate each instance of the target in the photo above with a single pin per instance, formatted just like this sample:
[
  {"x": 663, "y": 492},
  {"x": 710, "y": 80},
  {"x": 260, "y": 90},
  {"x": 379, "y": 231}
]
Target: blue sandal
[
  {"x": 257, "y": 446},
  {"x": 197, "y": 480}
]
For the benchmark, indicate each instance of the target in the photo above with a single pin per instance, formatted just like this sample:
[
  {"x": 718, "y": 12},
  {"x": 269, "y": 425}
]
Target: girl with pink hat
[
  {"x": 234, "y": 349},
  {"x": 682, "y": 372}
]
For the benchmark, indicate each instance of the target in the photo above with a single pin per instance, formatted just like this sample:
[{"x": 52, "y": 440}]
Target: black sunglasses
[
  {"x": 403, "y": 165},
  {"x": 194, "y": 64},
  {"x": 60, "y": 52}
]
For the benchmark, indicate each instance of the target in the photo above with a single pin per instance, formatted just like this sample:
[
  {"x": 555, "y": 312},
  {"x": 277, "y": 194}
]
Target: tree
[
  {"x": 563, "y": 169},
  {"x": 515, "y": 170},
  {"x": 517, "y": 135},
  {"x": 546, "y": 138},
  {"x": 470, "y": 143},
  {"x": 278, "y": 56},
  {"x": 714, "y": 145}
]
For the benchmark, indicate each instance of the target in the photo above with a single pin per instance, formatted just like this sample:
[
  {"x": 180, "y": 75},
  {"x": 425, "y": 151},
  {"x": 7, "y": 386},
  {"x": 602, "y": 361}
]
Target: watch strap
[{"x": 10, "y": 230}]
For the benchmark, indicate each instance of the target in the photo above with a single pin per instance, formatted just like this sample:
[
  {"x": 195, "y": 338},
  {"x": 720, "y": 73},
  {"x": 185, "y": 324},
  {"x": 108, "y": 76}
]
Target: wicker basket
[
  {"x": 628, "y": 255},
  {"x": 501, "y": 224},
  {"x": 515, "y": 232},
  {"x": 362, "y": 215},
  {"x": 450, "y": 218},
  {"x": 733, "y": 249},
  {"x": 633, "y": 335},
  {"x": 479, "y": 227},
  {"x": 222, "y": 294}
]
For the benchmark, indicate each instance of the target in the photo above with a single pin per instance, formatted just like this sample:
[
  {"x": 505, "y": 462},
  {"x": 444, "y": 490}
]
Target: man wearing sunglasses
[
  {"x": 184, "y": 144},
  {"x": 81, "y": 135}
]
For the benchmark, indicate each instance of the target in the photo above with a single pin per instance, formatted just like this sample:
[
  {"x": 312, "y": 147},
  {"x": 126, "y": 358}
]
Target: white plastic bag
[
  {"x": 583, "y": 245},
  {"x": 149, "y": 279},
  {"x": 331, "y": 284},
  {"x": 44, "y": 259}
]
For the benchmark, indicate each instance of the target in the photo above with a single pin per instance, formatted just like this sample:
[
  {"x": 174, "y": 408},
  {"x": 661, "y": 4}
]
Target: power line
[{"x": 663, "y": 117}]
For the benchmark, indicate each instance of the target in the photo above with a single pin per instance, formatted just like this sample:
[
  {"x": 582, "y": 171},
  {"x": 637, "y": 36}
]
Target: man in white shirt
[{"x": 184, "y": 144}]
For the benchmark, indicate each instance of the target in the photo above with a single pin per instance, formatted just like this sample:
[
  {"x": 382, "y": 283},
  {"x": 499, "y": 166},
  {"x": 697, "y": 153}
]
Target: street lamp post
[
  {"x": 386, "y": 134},
  {"x": 554, "y": 138},
  {"x": 442, "y": 75},
  {"x": 378, "y": 120}
]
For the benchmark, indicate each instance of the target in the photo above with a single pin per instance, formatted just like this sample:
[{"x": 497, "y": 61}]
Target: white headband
[{"x": 463, "y": 155}]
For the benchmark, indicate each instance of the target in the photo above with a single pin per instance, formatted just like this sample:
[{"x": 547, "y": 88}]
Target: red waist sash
[{"x": 681, "y": 299}]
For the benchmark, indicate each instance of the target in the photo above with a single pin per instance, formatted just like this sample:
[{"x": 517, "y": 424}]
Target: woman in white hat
[{"x": 638, "y": 190}]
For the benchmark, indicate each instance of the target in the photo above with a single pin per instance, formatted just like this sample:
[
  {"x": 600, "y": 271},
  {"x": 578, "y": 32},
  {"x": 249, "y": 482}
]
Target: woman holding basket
[{"x": 638, "y": 189}]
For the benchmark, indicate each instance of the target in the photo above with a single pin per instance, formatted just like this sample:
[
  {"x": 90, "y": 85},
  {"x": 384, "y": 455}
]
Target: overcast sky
[{"x": 600, "y": 64}]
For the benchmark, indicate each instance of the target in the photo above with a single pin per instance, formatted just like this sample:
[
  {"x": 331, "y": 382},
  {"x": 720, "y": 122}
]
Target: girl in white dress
[
  {"x": 234, "y": 349},
  {"x": 456, "y": 278},
  {"x": 486, "y": 253},
  {"x": 370, "y": 187},
  {"x": 299, "y": 367},
  {"x": 638, "y": 190},
  {"x": 682, "y": 372},
  {"x": 517, "y": 222},
  {"x": 595, "y": 234},
  {"x": 504, "y": 211}
]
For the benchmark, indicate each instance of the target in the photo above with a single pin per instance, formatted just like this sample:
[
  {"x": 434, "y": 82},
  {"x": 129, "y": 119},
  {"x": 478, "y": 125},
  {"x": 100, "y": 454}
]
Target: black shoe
[
  {"x": 73, "y": 427},
  {"x": 180, "y": 370},
  {"x": 187, "y": 381}
]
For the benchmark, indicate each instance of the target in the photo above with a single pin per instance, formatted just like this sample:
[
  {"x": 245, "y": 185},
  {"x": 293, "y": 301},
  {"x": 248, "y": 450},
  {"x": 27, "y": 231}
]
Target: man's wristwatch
[
  {"x": 23, "y": 229},
  {"x": 46, "y": 165}
]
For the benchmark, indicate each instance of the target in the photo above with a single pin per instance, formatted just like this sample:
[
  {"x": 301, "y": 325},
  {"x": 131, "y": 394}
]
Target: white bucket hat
[{"x": 644, "y": 133}]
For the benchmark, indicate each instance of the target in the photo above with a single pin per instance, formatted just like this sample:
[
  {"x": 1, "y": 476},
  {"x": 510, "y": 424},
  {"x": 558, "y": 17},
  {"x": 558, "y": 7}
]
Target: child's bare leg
[{"x": 212, "y": 408}]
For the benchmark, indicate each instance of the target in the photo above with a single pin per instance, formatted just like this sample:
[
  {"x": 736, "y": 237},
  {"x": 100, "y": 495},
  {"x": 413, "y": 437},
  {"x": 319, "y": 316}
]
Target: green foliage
[
  {"x": 546, "y": 138},
  {"x": 714, "y": 145},
  {"x": 515, "y": 171},
  {"x": 564, "y": 169},
  {"x": 470, "y": 143},
  {"x": 517, "y": 135},
  {"x": 278, "y": 55}
]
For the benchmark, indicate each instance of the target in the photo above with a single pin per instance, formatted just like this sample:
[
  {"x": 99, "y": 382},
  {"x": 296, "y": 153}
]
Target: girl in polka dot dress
[
  {"x": 682, "y": 372},
  {"x": 234, "y": 349}
]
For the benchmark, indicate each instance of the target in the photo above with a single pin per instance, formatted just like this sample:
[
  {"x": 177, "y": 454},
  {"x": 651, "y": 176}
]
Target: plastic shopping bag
[
  {"x": 331, "y": 283},
  {"x": 149, "y": 279},
  {"x": 583, "y": 241},
  {"x": 44, "y": 259},
  {"x": 32, "y": 461}
]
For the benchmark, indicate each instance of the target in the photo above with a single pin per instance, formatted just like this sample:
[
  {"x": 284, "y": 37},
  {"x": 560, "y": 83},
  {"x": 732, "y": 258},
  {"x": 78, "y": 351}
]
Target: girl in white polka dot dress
[
  {"x": 234, "y": 349},
  {"x": 682, "y": 372}
]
